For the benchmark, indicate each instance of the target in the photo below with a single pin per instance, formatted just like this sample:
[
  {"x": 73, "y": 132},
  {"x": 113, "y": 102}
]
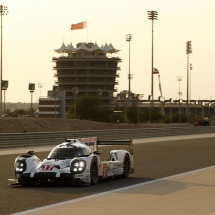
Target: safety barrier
[{"x": 10, "y": 140}]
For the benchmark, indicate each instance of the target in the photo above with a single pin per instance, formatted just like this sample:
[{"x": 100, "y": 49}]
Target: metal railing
[{"x": 15, "y": 140}]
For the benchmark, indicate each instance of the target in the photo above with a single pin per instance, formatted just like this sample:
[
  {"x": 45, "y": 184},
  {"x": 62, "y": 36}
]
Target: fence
[{"x": 10, "y": 140}]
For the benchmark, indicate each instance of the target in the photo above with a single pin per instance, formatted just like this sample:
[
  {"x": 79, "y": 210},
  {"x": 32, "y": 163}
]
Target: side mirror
[
  {"x": 31, "y": 152},
  {"x": 97, "y": 152}
]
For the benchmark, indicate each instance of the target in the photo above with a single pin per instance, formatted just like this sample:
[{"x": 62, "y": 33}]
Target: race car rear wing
[
  {"x": 94, "y": 142},
  {"x": 116, "y": 142}
]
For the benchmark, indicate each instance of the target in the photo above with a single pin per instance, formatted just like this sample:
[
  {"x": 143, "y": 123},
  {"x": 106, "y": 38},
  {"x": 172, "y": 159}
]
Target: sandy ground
[{"x": 13, "y": 125}]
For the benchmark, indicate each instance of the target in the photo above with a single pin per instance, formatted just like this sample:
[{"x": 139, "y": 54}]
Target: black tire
[
  {"x": 94, "y": 171},
  {"x": 126, "y": 166}
]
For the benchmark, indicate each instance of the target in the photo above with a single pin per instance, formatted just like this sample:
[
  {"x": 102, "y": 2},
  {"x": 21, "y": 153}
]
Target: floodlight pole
[
  {"x": 171, "y": 101},
  {"x": 150, "y": 107},
  {"x": 4, "y": 86},
  {"x": 31, "y": 103},
  {"x": 1, "y": 8},
  {"x": 214, "y": 108},
  {"x": 128, "y": 39},
  {"x": 179, "y": 78},
  {"x": 171, "y": 113},
  {"x": 152, "y": 15},
  {"x": 191, "y": 68},
  {"x": 139, "y": 96},
  {"x": 138, "y": 110},
  {"x": 188, "y": 51},
  {"x": 179, "y": 110},
  {"x": 152, "y": 68},
  {"x": 3, "y": 11},
  {"x": 196, "y": 102},
  {"x": 31, "y": 88},
  {"x": 187, "y": 87},
  {"x": 4, "y": 102}
]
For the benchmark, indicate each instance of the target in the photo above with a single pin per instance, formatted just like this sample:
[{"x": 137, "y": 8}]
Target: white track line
[
  {"x": 111, "y": 191},
  {"x": 170, "y": 138}
]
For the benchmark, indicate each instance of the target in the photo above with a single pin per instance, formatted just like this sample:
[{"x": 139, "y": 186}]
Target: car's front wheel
[{"x": 94, "y": 171}]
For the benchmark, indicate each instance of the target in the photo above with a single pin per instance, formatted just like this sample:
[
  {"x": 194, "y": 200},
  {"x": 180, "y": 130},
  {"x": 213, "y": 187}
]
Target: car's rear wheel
[
  {"x": 94, "y": 171},
  {"x": 126, "y": 166}
]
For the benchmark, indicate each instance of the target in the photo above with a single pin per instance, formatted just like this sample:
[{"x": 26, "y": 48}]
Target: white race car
[{"x": 74, "y": 161}]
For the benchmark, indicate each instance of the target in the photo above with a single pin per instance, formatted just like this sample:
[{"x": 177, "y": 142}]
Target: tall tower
[{"x": 88, "y": 68}]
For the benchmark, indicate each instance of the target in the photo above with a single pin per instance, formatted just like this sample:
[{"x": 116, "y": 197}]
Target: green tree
[
  {"x": 118, "y": 117},
  {"x": 166, "y": 119},
  {"x": 88, "y": 107},
  {"x": 155, "y": 115},
  {"x": 144, "y": 115},
  {"x": 192, "y": 118},
  {"x": 132, "y": 115},
  {"x": 176, "y": 118},
  {"x": 103, "y": 115}
]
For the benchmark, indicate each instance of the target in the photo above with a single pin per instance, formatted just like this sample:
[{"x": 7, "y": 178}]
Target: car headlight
[
  {"x": 20, "y": 167},
  {"x": 78, "y": 166}
]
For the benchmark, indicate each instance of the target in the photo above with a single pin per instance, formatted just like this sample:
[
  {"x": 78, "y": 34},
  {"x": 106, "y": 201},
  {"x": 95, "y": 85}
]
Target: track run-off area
[{"x": 154, "y": 159}]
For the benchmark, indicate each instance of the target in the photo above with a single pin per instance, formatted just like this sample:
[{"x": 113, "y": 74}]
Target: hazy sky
[{"x": 33, "y": 29}]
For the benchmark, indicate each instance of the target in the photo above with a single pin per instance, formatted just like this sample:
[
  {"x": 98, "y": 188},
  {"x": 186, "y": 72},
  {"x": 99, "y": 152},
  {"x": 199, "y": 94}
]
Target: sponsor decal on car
[
  {"x": 105, "y": 170},
  {"x": 117, "y": 167}
]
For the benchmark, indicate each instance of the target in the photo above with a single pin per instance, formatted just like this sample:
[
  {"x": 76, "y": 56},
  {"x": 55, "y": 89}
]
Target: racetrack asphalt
[{"x": 151, "y": 161}]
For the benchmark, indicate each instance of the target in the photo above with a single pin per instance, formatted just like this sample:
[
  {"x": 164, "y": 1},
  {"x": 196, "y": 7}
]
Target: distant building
[
  {"x": 52, "y": 106},
  {"x": 90, "y": 69}
]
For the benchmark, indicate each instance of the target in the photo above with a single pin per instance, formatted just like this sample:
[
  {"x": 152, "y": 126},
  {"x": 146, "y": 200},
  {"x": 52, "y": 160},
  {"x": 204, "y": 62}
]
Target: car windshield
[{"x": 63, "y": 153}]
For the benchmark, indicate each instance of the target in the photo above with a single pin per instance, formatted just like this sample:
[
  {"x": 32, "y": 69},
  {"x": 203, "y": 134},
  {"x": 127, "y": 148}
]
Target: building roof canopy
[
  {"x": 69, "y": 49},
  {"x": 113, "y": 49},
  {"x": 61, "y": 48},
  {"x": 95, "y": 48},
  {"x": 82, "y": 47},
  {"x": 89, "y": 47}
]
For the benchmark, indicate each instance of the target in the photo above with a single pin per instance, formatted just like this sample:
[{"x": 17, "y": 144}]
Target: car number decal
[{"x": 47, "y": 167}]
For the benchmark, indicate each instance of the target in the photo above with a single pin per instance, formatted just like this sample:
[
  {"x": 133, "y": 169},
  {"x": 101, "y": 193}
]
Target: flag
[
  {"x": 80, "y": 25},
  {"x": 155, "y": 71}
]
